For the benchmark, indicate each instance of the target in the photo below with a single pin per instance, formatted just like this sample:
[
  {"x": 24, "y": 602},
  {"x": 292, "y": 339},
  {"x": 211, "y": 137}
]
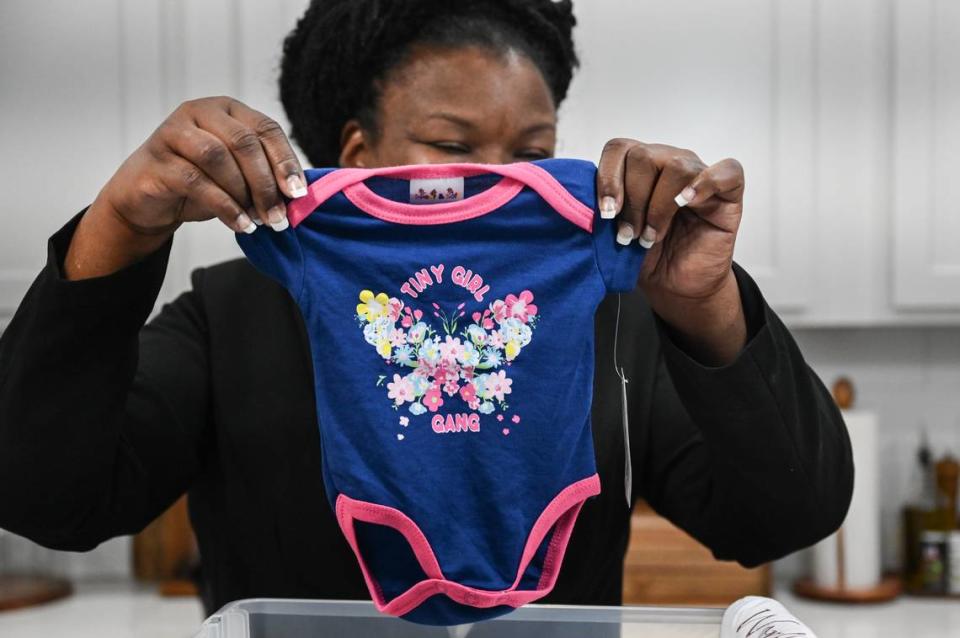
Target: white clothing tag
[{"x": 436, "y": 190}]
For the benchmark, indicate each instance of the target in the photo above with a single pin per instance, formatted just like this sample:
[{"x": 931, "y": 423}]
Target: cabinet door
[
  {"x": 194, "y": 50},
  {"x": 926, "y": 155},
  {"x": 731, "y": 79},
  {"x": 59, "y": 106}
]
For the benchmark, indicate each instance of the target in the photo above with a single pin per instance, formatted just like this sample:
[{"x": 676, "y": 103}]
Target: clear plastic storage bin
[{"x": 277, "y": 618}]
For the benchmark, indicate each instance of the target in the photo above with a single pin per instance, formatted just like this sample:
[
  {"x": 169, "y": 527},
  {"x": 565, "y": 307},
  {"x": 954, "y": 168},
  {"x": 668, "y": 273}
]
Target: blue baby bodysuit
[{"x": 450, "y": 310}]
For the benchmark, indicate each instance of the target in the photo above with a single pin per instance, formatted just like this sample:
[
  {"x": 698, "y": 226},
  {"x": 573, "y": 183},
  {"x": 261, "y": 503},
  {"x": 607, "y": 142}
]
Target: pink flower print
[
  {"x": 410, "y": 317},
  {"x": 468, "y": 392},
  {"x": 499, "y": 310},
  {"x": 466, "y": 373},
  {"x": 398, "y": 337},
  {"x": 499, "y": 417},
  {"x": 394, "y": 306},
  {"x": 400, "y": 390},
  {"x": 450, "y": 349},
  {"x": 496, "y": 339},
  {"x": 485, "y": 321},
  {"x": 473, "y": 405},
  {"x": 499, "y": 384},
  {"x": 521, "y": 307},
  {"x": 516, "y": 418},
  {"x": 432, "y": 399},
  {"x": 451, "y": 386}
]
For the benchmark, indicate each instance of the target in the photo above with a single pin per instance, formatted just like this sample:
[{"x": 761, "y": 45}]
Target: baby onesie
[{"x": 450, "y": 310}]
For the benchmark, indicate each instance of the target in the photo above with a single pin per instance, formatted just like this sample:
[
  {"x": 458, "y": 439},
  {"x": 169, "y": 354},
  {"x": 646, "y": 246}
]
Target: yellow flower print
[
  {"x": 512, "y": 350},
  {"x": 372, "y": 306},
  {"x": 384, "y": 349}
]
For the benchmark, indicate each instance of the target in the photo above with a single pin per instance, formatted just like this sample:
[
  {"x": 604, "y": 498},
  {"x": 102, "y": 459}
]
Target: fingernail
[
  {"x": 685, "y": 197},
  {"x": 244, "y": 223},
  {"x": 624, "y": 234},
  {"x": 283, "y": 224},
  {"x": 608, "y": 207},
  {"x": 275, "y": 214},
  {"x": 256, "y": 220},
  {"x": 295, "y": 184},
  {"x": 648, "y": 237}
]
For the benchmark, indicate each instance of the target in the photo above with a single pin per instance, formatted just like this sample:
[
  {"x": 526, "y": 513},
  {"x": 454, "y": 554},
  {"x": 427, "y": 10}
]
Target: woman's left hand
[{"x": 687, "y": 214}]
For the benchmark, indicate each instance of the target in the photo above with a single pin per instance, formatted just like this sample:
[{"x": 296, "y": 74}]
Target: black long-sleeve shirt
[{"x": 105, "y": 421}]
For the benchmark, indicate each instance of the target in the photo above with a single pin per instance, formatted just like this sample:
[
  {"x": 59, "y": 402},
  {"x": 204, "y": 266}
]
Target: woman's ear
[{"x": 354, "y": 146}]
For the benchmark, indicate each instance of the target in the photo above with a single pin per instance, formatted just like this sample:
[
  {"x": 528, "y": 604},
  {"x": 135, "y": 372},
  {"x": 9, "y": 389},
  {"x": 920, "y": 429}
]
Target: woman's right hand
[{"x": 211, "y": 158}]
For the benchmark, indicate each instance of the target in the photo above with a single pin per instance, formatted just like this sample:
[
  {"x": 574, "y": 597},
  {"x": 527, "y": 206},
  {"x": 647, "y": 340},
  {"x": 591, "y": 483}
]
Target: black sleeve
[
  {"x": 752, "y": 459},
  {"x": 101, "y": 419}
]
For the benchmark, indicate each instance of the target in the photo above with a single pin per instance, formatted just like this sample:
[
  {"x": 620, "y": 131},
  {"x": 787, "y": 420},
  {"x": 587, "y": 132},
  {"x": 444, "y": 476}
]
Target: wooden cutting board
[{"x": 665, "y": 566}]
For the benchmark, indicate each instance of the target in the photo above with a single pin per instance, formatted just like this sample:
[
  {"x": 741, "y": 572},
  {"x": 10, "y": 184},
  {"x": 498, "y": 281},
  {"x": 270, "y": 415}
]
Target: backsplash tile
[{"x": 911, "y": 378}]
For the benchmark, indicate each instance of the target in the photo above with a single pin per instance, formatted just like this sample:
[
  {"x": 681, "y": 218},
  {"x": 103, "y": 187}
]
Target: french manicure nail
[
  {"x": 648, "y": 237},
  {"x": 295, "y": 184},
  {"x": 257, "y": 221},
  {"x": 624, "y": 234},
  {"x": 685, "y": 197},
  {"x": 608, "y": 207},
  {"x": 275, "y": 214},
  {"x": 245, "y": 224},
  {"x": 283, "y": 224}
]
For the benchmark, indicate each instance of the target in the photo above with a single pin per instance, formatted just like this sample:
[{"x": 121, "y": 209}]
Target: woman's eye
[{"x": 451, "y": 147}]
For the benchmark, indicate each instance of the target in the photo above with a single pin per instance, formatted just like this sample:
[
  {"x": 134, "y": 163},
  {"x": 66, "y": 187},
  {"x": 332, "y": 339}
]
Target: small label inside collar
[{"x": 436, "y": 190}]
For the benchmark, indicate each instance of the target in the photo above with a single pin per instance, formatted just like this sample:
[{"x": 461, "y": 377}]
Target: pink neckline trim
[
  {"x": 561, "y": 512},
  {"x": 515, "y": 177}
]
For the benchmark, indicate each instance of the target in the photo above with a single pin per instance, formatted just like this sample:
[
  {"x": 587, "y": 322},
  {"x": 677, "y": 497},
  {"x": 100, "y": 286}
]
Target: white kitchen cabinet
[
  {"x": 732, "y": 79},
  {"x": 926, "y": 156}
]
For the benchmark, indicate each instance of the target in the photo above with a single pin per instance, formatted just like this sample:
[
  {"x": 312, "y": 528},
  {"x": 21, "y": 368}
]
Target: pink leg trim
[{"x": 560, "y": 515}]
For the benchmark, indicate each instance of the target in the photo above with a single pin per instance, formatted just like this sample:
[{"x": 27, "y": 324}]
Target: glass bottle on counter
[
  {"x": 929, "y": 518},
  {"x": 948, "y": 481}
]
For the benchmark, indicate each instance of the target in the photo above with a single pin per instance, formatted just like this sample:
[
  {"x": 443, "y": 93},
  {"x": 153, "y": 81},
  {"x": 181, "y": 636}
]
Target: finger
[
  {"x": 283, "y": 159},
  {"x": 245, "y": 146},
  {"x": 677, "y": 172},
  {"x": 641, "y": 176},
  {"x": 205, "y": 150},
  {"x": 610, "y": 171},
  {"x": 723, "y": 180},
  {"x": 202, "y": 198}
]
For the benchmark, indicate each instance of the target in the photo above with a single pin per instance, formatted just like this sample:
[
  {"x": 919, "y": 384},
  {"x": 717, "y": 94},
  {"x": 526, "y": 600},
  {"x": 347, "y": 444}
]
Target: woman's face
[{"x": 457, "y": 105}]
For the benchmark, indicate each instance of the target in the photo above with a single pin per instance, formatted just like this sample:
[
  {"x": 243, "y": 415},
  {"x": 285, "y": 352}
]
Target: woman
[{"x": 105, "y": 421}]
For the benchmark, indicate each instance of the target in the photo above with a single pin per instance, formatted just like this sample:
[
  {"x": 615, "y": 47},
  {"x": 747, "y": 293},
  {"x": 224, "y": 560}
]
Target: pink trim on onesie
[
  {"x": 561, "y": 512},
  {"x": 515, "y": 177}
]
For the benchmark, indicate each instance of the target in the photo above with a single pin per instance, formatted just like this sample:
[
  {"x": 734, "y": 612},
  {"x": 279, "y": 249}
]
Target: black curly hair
[{"x": 335, "y": 57}]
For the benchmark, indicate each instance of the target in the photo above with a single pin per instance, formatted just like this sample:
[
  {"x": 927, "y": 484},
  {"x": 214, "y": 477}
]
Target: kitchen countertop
[
  {"x": 123, "y": 610},
  {"x": 905, "y": 617}
]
